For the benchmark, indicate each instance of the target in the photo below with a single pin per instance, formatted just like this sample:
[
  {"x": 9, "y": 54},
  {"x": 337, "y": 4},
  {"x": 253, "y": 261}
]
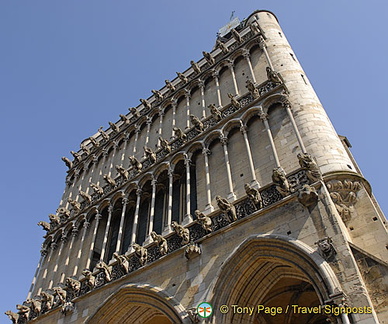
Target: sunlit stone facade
[{"x": 229, "y": 185}]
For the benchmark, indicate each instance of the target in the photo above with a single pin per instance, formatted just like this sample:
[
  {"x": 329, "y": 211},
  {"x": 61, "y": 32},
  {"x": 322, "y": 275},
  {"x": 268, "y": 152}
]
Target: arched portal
[
  {"x": 140, "y": 304},
  {"x": 268, "y": 274}
]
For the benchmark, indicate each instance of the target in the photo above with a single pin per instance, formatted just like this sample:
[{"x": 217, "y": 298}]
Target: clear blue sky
[{"x": 69, "y": 67}]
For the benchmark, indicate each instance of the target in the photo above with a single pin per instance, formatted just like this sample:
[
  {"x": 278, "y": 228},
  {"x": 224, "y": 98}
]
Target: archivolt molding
[
  {"x": 117, "y": 306},
  {"x": 277, "y": 249}
]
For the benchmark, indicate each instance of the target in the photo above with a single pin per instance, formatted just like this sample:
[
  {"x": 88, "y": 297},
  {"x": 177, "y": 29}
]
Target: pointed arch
[{"x": 140, "y": 303}]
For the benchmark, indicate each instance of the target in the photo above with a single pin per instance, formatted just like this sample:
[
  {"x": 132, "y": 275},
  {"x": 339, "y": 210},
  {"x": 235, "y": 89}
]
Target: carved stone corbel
[
  {"x": 67, "y": 307},
  {"x": 192, "y": 250},
  {"x": 344, "y": 195},
  {"x": 307, "y": 196},
  {"x": 326, "y": 249}
]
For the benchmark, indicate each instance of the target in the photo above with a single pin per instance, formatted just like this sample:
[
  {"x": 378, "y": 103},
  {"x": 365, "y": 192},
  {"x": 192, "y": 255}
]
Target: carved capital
[
  {"x": 86, "y": 225},
  {"x": 223, "y": 140},
  {"x": 125, "y": 201},
  {"x": 187, "y": 161},
  {"x": 187, "y": 93},
  {"x": 98, "y": 216},
  {"x": 243, "y": 128},
  {"x": 245, "y": 53},
  {"x": 74, "y": 232},
  {"x": 201, "y": 83},
  {"x": 215, "y": 73},
  {"x": 285, "y": 103},
  {"x": 206, "y": 151},
  {"x": 43, "y": 251},
  {"x": 139, "y": 192},
  {"x": 261, "y": 41},
  {"x": 263, "y": 115},
  {"x": 230, "y": 64},
  {"x": 170, "y": 172}
]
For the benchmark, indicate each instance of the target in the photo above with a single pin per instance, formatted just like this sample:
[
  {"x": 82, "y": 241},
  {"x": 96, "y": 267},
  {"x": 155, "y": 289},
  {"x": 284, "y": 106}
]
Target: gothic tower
[{"x": 229, "y": 186}]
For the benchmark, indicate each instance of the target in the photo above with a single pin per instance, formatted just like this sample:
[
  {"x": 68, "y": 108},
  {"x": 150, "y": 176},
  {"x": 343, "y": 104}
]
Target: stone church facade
[{"x": 229, "y": 186}]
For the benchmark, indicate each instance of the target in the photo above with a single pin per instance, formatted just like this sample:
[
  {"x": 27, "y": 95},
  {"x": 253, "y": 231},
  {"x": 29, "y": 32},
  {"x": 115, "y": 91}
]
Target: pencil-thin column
[
  {"x": 209, "y": 207},
  {"x": 215, "y": 75},
  {"x": 167, "y": 229},
  {"x": 136, "y": 218},
  {"x": 264, "y": 118},
  {"x": 248, "y": 59},
  {"x": 121, "y": 228},
  {"x": 98, "y": 218},
  {"x": 107, "y": 228},
  {"x": 188, "y": 218},
  {"x": 79, "y": 255},
  {"x": 243, "y": 130},
  {"x": 188, "y": 96},
  {"x": 201, "y": 85},
  {"x": 224, "y": 143},
  {"x": 231, "y": 68}
]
